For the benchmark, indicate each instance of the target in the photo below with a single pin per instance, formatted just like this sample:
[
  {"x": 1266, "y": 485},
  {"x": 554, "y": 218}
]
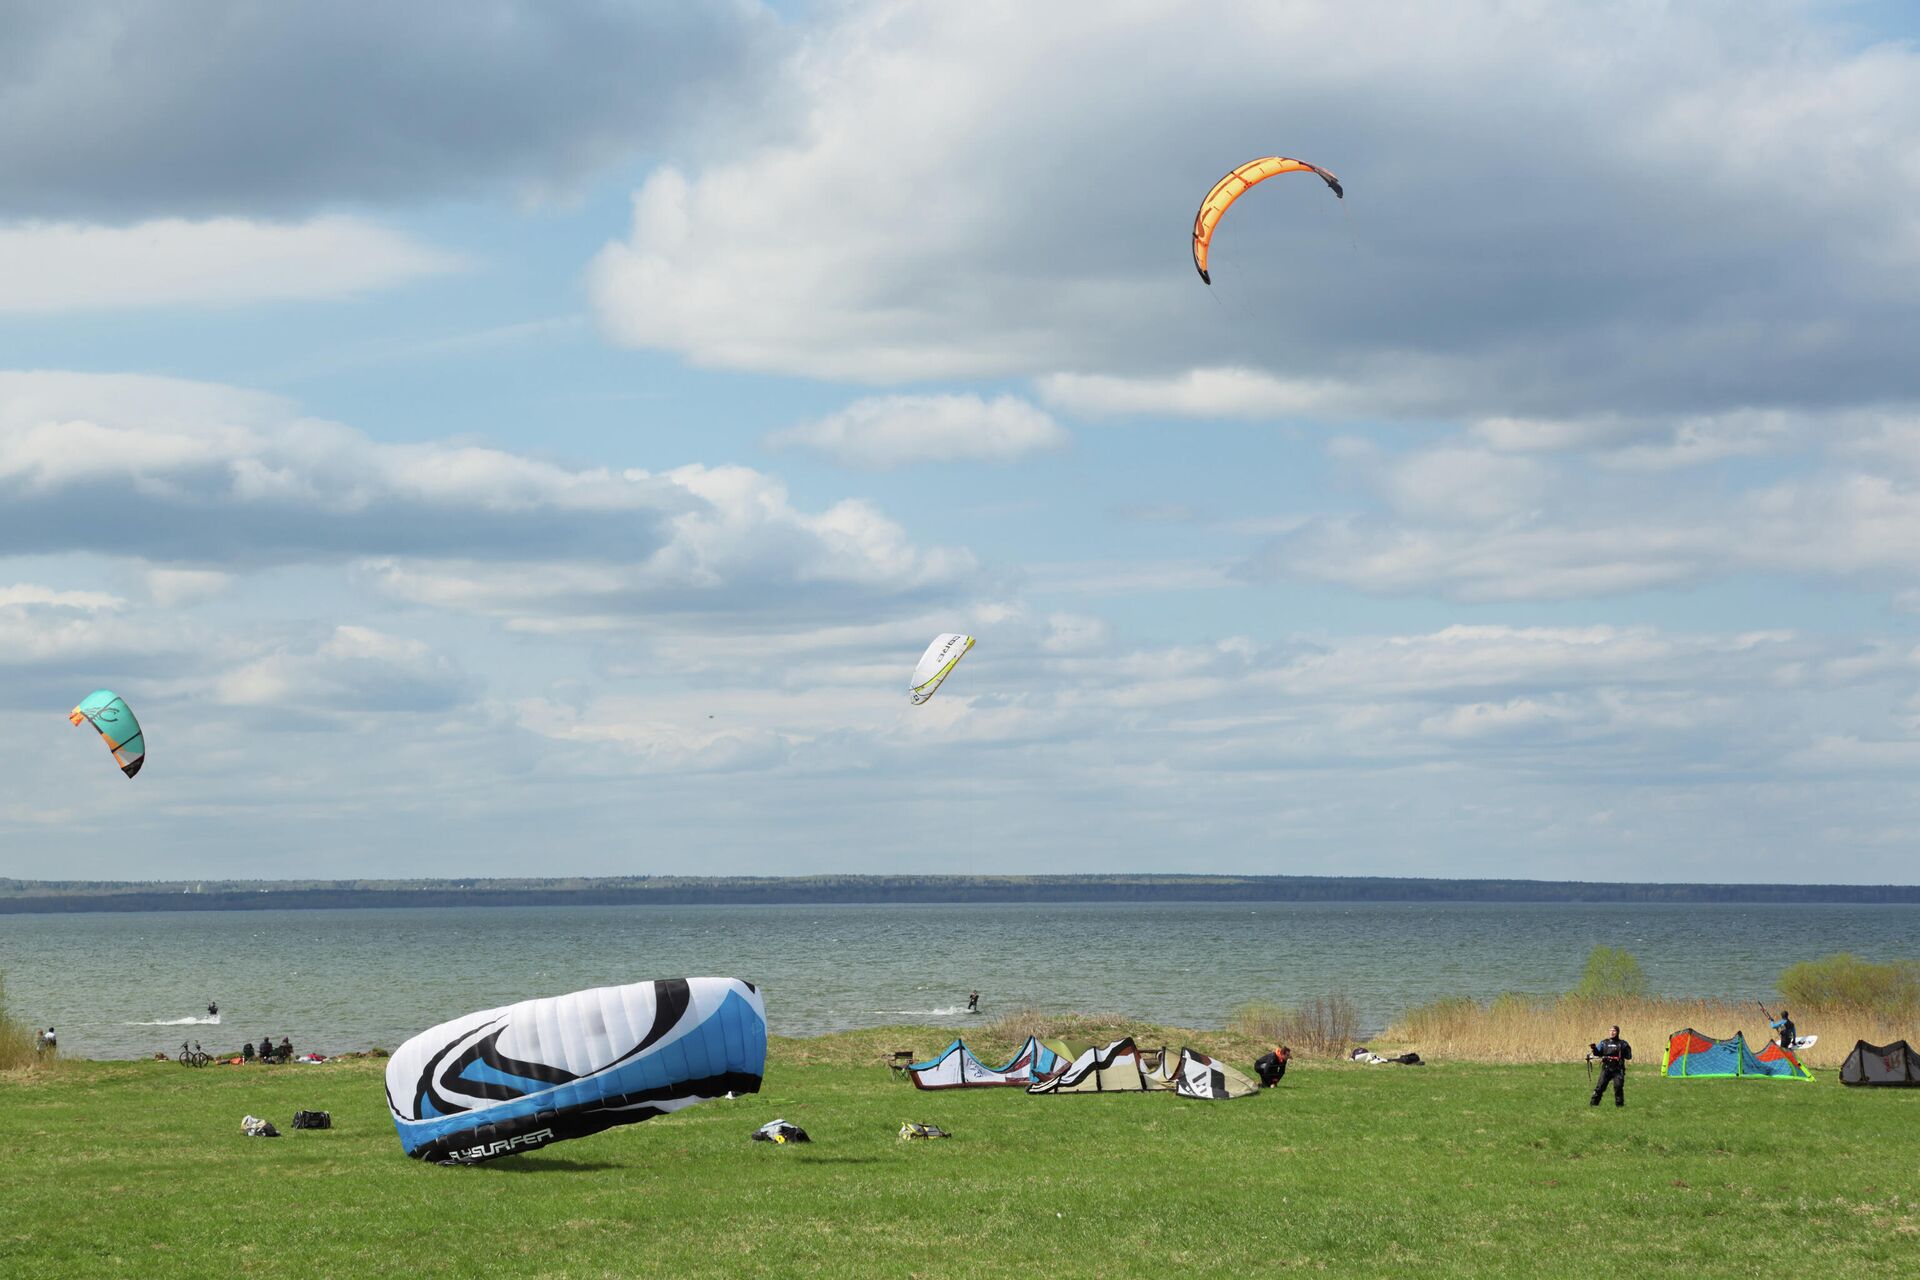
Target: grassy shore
[{"x": 116, "y": 1168}]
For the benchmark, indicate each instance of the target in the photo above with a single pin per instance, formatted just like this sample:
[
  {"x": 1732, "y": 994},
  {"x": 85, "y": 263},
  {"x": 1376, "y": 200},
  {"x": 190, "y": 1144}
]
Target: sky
[{"x": 538, "y": 438}]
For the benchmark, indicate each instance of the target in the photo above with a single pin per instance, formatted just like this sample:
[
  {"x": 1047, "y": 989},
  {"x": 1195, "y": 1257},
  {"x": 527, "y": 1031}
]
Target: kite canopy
[
  {"x": 1198, "y": 1076},
  {"x": 937, "y": 663},
  {"x": 1112, "y": 1068},
  {"x": 502, "y": 1081},
  {"x": 1882, "y": 1064},
  {"x": 1694, "y": 1055},
  {"x": 108, "y": 712},
  {"x": 1236, "y": 184},
  {"x": 955, "y": 1067}
]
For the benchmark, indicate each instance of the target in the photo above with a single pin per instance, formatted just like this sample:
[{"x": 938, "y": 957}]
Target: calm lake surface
[{"x": 122, "y": 985}]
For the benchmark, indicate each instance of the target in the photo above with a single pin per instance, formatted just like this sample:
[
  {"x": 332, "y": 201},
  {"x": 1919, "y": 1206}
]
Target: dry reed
[
  {"x": 16, "y": 1039},
  {"x": 1325, "y": 1026},
  {"x": 1514, "y": 1028}
]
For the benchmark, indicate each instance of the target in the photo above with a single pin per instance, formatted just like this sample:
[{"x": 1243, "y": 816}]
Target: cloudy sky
[{"x": 538, "y": 438}]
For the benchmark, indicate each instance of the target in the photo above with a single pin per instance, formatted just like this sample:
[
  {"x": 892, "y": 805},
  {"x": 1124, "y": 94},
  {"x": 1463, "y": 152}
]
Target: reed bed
[
  {"x": 16, "y": 1039},
  {"x": 1520, "y": 1028},
  {"x": 1325, "y": 1026}
]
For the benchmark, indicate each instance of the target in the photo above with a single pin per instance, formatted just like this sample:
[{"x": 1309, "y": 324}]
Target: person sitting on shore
[
  {"x": 266, "y": 1049},
  {"x": 285, "y": 1051},
  {"x": 246, "y": 1051}
]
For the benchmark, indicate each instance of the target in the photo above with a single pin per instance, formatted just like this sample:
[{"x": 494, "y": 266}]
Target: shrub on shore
[
  {"x": 1324, "y": 1025},
  {"x": 1611, "y": 973},
  {"x": 1846, "y": 980}
]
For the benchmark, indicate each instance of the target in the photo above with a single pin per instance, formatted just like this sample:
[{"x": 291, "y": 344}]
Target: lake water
[{"x": 119, "y": 985}]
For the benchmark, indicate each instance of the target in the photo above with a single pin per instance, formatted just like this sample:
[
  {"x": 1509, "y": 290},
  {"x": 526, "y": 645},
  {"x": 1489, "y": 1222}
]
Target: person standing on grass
[{"x": 1614, "y": 1054}]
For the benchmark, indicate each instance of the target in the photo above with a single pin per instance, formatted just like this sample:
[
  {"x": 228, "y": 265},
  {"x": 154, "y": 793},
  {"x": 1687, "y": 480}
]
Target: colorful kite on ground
[
  {"x": 108, "y": 712},
  {"x": 1236, "y": 184},
  {"x": 1695, "y": 1056}
]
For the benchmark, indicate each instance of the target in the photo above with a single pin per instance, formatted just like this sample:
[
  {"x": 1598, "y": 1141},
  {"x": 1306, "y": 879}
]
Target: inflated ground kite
[
  {"x": 503, "y": 1081},
  {"x": 108, "y": 712},
  {"x": 937, "y": 663},
  {"x": 1232, "y": 187}
]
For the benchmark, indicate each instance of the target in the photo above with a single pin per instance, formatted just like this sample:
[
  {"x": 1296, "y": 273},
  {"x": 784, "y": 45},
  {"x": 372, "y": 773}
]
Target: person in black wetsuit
[
  {"x": 1787, "y": 1030},
  {"x": 1272, "y": 1065},
  {"x": 1614, "y": 1054},
  {"x": 973, "y": 1003},
  {"x": 213, "y": 1008}
]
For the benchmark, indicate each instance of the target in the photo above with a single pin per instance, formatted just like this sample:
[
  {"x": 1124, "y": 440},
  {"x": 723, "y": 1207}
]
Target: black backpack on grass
[{"x": 312, "y": 1120}]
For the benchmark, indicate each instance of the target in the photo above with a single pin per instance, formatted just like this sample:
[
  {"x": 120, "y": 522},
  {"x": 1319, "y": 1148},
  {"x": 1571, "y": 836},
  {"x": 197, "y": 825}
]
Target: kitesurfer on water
[
  {"x": 1614, "y": 1054},
  {"x": 213, "y": 1008},
  {"x": 973, "y": 1003}
]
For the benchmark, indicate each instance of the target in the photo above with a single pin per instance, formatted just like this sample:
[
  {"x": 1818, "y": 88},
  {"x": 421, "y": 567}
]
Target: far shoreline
[{"x": 33, "y": 897}]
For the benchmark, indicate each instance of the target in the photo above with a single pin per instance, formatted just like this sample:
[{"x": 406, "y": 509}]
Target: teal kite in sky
[{"x": 108, "y": 712}]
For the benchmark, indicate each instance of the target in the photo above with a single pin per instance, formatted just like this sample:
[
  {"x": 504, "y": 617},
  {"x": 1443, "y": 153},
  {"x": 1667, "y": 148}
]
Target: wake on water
[
  {"x": 214, "y": 1021},
  {"x": 919, "y": 1013}
]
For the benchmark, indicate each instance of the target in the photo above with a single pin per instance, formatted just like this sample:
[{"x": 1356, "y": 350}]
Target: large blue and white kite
[{"x": 503, "y": 1081}]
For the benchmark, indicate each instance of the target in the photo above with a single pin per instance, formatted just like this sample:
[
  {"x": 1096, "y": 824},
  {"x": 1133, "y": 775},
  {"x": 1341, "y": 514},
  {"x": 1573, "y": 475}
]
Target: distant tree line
[{"x": 18, "y": 896}]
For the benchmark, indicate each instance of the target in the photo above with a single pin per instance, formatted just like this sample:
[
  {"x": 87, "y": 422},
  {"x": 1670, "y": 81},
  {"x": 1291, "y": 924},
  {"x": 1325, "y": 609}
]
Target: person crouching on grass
[
  {"x": 1272, "y": 1065},
  {"x": 1614, "y": 1054}
]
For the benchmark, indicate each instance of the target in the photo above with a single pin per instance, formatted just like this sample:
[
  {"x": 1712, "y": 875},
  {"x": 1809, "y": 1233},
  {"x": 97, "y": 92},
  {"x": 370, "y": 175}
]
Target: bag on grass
[
  {"x": 912, "y": 1130},
  {"x": 312, "y": 1120},
  {"x": 780, "y": 1131},
  {"x": 255, "y": 1127}
]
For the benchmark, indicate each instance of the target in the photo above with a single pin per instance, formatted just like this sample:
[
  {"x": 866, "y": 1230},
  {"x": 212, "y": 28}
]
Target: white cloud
[
  {"x": 742, "y": 551},
  {"x": 352, "y": 669},
  {"x": 47, "y": 626},
  {"x": 50, "y": 267},
  {"x": 998, "y": 191},
  {"x": 883, "y": 432},
  {"x": 1201, "y": 393},
  {"x": 1538, "y": 511},
  {"x": 206, "y": 482},
  {"x": 26, "y": 593},
  {"x": 173, "y": 587}
]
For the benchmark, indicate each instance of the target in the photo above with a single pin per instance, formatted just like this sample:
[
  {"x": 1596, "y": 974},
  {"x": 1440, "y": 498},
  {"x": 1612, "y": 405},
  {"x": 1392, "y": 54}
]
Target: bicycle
[{"x": 194, "y": 1057}]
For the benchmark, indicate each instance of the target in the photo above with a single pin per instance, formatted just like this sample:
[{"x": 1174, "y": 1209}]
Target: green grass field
[{"x": 116, "y": 1168}]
